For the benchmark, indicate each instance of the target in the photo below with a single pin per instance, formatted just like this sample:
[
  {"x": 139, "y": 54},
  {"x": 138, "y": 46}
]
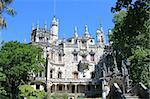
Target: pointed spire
[
  {"x": 45, "y": 25},
  {"x": 86, "y": 29},
  {"x": 33, "y": 26},
  {"x": 101, "y": 28},
  {"x": 75, "y": 32},
  {"x": 38, "y": 25}
]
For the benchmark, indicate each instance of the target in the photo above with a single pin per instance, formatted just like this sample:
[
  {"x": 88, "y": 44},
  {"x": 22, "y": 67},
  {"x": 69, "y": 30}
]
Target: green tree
[
  {"x": 5, "y": 8},
  {"x": 18, "y": 61},
  {"x": 30, "y": 93},
  {"x": 131, "y": 37}
]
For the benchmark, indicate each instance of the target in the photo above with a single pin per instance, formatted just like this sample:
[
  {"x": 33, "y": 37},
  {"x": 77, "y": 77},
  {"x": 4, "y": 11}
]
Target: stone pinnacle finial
[
  {"x": 38, "y": 24},
  {"x": 101, "y": 28},
  {"x": 75, "y": 32},
  {"x": 86, "y": 28},
  {"x": 45, "y": 25},
  {"x": 33, "y": 26}
]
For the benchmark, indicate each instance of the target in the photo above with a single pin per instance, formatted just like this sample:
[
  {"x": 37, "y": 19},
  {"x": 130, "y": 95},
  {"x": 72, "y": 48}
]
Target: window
[
  {"x": 51, "y": 74},
  {"x": 91, "y": 41},
  {"x": 40, "y": 74},
  {"x": 75, "y": 74},
  {"x": 83, "y": 57},
  {"x": 102, "y": 39},
  {"x": 60, "y": 88},
  {"x": 59, "y": 74},
  {"x": 92, "y": 75},
  {"x": 88, "y": 87},
  {"x": 41, "y": 38},
  {"x": 75, "y": 57},
  {"x": 92, "y": 57},
  {"x": 37, "y": 86},
  {"x": 59, "y": 57}
]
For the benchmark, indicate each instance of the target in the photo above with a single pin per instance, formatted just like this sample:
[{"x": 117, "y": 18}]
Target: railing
[
  {"x": 70, "y": 80},
  {"x": 65, "y": 80}
]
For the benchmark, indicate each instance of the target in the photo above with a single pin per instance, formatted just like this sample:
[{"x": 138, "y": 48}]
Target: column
[
  {"x": 65, "y": 87},
  {"x": 55, "y": 87},
  {"x": 85, "y": 89},
  {"x": 75, "y": 88}
]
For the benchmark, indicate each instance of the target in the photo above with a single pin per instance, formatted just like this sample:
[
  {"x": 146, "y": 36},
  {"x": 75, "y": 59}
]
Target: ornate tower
[
  {"x": 54, "y": 29},
  {"x": 100, "y": 36}
]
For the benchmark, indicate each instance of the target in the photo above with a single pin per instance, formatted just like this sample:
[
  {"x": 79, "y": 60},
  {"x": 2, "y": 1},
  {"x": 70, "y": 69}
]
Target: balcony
[
  {"x": 83, "y": 65},
  {"x": 69, "y": 80}
]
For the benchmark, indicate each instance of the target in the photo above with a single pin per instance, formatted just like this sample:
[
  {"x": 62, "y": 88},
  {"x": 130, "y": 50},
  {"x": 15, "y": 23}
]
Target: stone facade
[{"x": 71, "y": 63}]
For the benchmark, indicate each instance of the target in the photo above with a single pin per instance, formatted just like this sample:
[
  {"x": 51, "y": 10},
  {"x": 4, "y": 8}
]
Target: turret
[
  {"x": 100, "y": 36},
  {"x": 54, "y": 29}
]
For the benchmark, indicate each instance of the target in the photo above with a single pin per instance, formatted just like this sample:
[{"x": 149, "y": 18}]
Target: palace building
[{"x": 71, "y": 63}]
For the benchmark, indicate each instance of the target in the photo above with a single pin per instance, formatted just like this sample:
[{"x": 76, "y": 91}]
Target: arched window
[
  {"x": 75, "y": 57},
  {"x": 59, "y": 57},
  {"x": 59, "y": 74},
  {"x": 75, "y": 75},
  {"x": 92, "y": 75},
  {"x": 84, "y": 57},
  {"x": 102, "y": 39},
  {"x": 40, "y": 74},
  {"x": 92, "y": 57},
  {"x": 51, "y": 73}
]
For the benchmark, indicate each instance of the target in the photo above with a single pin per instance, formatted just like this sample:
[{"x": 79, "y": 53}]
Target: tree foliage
[
  {"x": 18, "y": 61},
  {"x": 131, "y": 36},
  {"x": 4, "y": 8},
  {"x": 30, "y": 93}
]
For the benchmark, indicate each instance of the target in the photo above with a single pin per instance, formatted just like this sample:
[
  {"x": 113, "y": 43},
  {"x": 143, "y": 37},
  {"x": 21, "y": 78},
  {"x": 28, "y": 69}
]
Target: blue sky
[{"x": 69, "y": 12}]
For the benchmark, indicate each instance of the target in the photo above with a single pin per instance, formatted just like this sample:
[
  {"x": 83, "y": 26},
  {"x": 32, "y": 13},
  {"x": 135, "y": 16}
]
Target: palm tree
[{"x": 4, "y": 8}]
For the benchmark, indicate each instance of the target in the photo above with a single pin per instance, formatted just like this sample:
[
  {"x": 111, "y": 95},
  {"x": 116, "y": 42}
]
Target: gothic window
[
  {"x": 92, "y": 75},
  {"x": 75, "y": 75},
  {"x": 40, "y": 74},
  {"x": 60, "y": 57},
  {"x": 75, "y": 57},
  {"x": 41, "y": 38},
  {"x": 59, "y": 74},
  {"x": 37, "y": 86},
  {"x": 83, "y": 57},
  {"x": 92, "y": 57},
  {"x": 51, "y": 73}
]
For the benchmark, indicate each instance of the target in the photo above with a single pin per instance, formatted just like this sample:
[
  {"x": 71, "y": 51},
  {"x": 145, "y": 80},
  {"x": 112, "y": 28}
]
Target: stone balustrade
[{"x": 66, "y": 80}]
